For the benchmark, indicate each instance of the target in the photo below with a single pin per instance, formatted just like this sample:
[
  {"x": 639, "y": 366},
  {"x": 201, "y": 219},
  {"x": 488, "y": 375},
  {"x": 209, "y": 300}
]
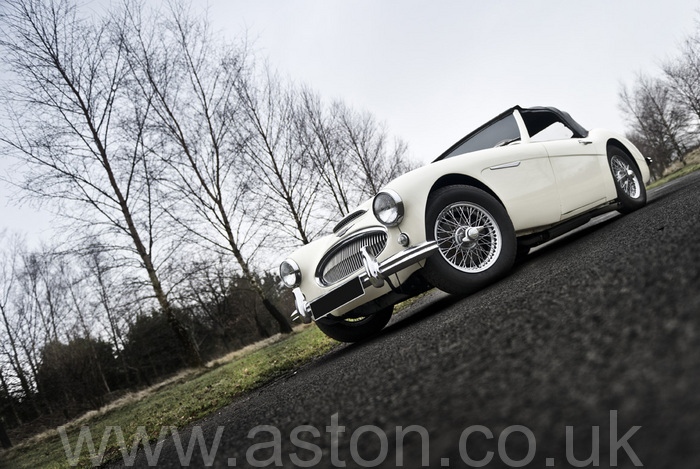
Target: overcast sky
[{"x": 433, "y": 70}]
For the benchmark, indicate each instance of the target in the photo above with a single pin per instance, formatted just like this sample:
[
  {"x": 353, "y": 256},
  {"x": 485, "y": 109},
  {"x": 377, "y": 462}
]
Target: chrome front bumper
[{"x": 374, "y": 275}]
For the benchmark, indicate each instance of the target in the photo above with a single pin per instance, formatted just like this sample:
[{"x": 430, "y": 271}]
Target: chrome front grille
[{"x": 346, "y": 258}]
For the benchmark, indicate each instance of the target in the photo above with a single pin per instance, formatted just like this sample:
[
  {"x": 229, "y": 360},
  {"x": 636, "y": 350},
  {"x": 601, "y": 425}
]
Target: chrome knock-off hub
[{"x": 466, "y": 236}]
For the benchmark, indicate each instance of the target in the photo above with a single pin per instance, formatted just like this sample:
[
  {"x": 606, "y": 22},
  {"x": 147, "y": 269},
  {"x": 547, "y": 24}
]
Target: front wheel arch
[{"x": 456, "y": 179}]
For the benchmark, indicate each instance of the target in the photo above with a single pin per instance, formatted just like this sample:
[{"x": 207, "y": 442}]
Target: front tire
[
  {"x": 631, "y": 192},
  {"x": 475, "y": 237},
  {"x": 355, "y": 329}
]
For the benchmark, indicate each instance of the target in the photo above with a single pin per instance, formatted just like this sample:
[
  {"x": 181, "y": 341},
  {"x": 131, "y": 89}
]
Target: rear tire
[
  {"x": 356, "y": 329},
  {"x": 476, "y": 239},
  {"x": 631, "y": 192}
]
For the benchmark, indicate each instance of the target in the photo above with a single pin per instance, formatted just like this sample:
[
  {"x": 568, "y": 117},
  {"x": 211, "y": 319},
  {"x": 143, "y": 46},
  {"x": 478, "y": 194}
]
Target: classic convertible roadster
[{"x": 459, "y": 223}]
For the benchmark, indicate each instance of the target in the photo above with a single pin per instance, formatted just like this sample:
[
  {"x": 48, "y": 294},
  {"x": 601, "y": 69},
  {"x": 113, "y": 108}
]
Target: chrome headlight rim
[
  {"x": 288, "y": 268},
  {"x": 397, "y": 204}
]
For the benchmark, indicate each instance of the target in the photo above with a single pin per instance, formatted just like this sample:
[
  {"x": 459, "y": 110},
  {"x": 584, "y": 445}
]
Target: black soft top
[{"x": 536, "y": 119}]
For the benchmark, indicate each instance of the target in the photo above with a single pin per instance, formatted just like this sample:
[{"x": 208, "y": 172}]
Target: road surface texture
[{"x": 598, "y": 331}]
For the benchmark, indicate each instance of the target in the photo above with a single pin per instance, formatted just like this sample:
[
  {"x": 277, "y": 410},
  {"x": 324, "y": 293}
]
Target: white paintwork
[
  {"x": 577, "y": 172},
  {"x": 552, "y": 181}
]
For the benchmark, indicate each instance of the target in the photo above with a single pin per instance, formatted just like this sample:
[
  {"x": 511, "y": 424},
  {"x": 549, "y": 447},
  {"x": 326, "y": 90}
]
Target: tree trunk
[
  {"x": 262, "y": 332},
  {"x": 86, "y": 330},
  {"x": 104, "y": 299},
  {"x": 41, "y": 393},
  {"x": 191, "y": 349},
  {"x": 4, "y": 439},
  {"x": 10, "y": 399},
  {"x": 285, "y": 328},
  {"x": 16, "y": 364}
]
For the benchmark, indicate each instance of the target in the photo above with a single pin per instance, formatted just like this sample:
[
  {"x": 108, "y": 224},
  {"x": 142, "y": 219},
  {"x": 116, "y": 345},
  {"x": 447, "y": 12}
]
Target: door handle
[{"x": 585, "y": 142}]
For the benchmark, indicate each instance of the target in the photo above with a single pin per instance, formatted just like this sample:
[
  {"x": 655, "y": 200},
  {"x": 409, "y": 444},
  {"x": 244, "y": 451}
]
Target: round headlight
[
  {"x": 388, "y": 208},
  {"x": 290, "y": 273}
]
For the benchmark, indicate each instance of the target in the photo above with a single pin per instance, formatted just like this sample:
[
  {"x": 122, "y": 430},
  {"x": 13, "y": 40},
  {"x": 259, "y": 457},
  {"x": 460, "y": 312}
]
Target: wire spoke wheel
[
  {"x": 354, "y": 329},
  {"x": 474, "y": 236},
  {"x": 625, "y": 177},
  {"x": 468, "y": 237}
]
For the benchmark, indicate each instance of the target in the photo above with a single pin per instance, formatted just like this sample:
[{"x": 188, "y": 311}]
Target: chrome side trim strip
[{"x": 514, "y": 164}]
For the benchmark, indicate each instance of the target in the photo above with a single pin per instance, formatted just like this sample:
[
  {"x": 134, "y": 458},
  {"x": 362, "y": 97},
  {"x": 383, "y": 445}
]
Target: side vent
[{"x": 347, "y": 219}]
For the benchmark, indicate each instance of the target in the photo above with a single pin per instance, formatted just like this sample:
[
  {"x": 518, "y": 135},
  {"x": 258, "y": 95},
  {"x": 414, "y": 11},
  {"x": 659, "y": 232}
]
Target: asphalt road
[{"x": 597, "y": 329}]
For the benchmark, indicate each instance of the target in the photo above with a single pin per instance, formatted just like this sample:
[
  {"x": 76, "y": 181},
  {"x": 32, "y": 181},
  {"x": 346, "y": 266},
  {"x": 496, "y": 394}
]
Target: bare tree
[
  {"x": 98, "y": 269},
  {"x": 682, "y": 76},
  {"x": 375, "y": 159},
  {"x": 76, "y": 130},
  {"x": 351, "y": 152},
  {"x": 7, "y": 392},
  {"x": 656, "y": 119},
  {"x": 191, "y": 82},
  {"x": 315, "y": 162},
  {"x": 8, "y": 409},
  {"x": 282, "y": 176},
  {"x": 74, "y": 285},
  {"x": 11, "y": 343},
  {"x": 4, "y": 439},
  {"x": 319, "y": 133},
  {"x": 45, "y": 290}
]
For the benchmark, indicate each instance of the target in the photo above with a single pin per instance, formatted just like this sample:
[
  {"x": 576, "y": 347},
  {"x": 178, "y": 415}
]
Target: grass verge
[
  {"x": 675, "y": 175},
  {"x": 179, "y": 403}
]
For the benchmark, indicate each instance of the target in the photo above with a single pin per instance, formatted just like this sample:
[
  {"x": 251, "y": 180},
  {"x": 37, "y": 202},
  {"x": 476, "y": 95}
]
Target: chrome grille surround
[{"x": 345, "y": 258}]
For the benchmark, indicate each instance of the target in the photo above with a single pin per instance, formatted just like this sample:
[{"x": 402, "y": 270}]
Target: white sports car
[{"x": 517, "y": 181}]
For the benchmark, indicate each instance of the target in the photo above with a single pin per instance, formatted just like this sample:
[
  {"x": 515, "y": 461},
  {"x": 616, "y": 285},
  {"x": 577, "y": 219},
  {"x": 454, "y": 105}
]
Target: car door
[
  {"x": 516, "y": 169},
  {"x": 522, "y": 177},
  {"x": 577, "y": 170}
]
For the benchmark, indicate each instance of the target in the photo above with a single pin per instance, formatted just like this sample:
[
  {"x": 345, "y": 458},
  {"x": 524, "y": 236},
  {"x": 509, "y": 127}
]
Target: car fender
[
  {"x": 601, "y": 138},
  {"x": 520, "y": 177}
]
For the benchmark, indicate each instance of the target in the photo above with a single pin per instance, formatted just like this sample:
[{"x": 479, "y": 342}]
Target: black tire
[
  {"x": 487, "y": 247},
  {"x": 356, "y": 329},
  {"x": 631, "y": 192}
]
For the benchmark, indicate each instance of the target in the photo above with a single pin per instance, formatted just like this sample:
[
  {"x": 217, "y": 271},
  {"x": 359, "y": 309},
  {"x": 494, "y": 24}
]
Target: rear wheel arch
[
  {"x": 621, "y": 146},
  {"x": 631, "y": 193}
]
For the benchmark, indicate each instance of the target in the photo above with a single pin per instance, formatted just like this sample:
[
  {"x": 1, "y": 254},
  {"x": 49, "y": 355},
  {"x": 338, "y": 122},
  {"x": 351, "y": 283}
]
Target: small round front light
[
  {"x": 290, "y": 273},
  {"x": 388, "y": 208}
]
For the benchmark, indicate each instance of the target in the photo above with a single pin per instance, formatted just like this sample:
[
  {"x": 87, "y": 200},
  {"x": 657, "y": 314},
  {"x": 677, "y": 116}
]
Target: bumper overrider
[{"x": 373, "y": 276}]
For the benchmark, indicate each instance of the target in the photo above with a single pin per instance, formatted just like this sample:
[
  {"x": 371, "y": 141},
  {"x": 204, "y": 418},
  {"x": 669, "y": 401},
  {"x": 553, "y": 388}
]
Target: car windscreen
[{"x": 502, "y": 131}]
